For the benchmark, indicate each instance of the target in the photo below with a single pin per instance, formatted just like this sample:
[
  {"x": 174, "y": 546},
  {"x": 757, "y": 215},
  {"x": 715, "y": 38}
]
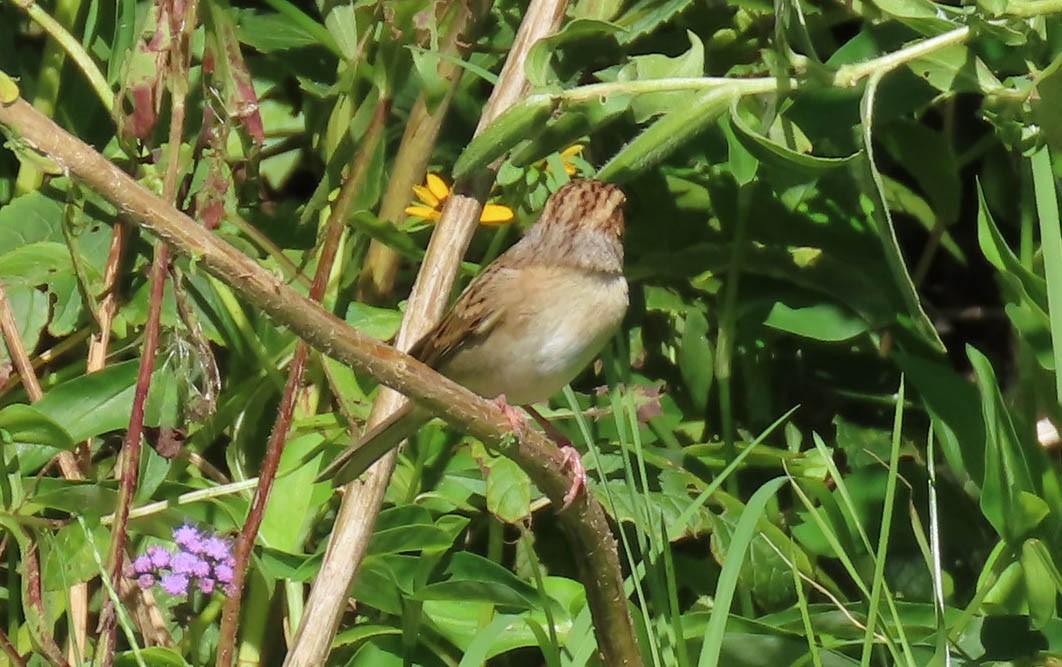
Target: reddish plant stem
[
  {"x": 333, "y": 232},
  {"x": 9, "y": 649},
  {"x": 32, "y": 564},
  {"x": 131, "y": 445}
]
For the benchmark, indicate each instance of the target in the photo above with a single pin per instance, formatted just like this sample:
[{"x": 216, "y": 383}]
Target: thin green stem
[{"x": 73, "y": 48}]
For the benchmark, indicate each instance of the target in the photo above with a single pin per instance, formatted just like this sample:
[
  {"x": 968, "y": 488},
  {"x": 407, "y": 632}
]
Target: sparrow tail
[{"x": 373, "y": 444}]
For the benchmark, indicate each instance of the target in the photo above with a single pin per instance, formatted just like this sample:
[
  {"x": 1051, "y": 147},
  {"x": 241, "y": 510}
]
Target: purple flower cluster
[{"x": 201, "y": 559}]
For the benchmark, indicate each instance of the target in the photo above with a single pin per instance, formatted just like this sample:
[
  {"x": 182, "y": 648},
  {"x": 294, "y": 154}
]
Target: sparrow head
[
  {"x": 581, "y": 226},
  {"x": 587, "y": 205}
]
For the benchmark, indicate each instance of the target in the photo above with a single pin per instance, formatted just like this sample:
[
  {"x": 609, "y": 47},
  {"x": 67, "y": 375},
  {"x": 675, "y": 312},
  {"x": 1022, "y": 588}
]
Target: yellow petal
[
  {"x": 496, "y": 214},
  {"x": 438, "y": 187},
  {"x": 426, "y": 196},
  {"x": 423, "y": 212},
  {"x": 572, "y": 151},
  {"x": 569, "y": 168}
]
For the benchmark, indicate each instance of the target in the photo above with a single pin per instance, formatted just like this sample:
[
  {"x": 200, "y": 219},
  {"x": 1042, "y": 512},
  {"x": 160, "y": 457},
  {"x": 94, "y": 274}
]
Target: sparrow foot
[
  {"x": 574, "y": 462},
  {"x": 517, "y": 419}
]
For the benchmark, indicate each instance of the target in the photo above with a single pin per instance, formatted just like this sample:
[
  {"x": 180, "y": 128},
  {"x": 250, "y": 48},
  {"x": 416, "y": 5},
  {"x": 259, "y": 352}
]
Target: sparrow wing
[{"x": 475, "y": 313}]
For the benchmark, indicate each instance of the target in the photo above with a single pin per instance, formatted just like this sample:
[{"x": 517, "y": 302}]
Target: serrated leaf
[{"x": 659, "y": 66}]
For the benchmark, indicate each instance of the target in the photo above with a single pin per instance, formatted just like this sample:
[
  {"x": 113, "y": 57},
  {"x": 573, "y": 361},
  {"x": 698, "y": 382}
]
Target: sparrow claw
[
  {"x": 574, "y": 462},
  {"x": 517, "y": 419}
]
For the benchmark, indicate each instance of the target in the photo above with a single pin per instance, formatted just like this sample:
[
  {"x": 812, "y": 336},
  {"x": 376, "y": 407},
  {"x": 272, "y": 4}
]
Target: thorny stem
[
  {"x": 180, "y": 58},
  {"x": 332, "y": 234}
]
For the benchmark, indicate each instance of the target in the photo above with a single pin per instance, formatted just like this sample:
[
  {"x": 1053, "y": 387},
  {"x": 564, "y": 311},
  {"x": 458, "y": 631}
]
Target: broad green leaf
[
  {"x": 1041, "y": 589},
  {"x": 820, "y": 321},
  {"x": 342, "y": 24},
  {"x": 67, "y": 557},
  {"x": 508, "y": 491},
  {"x": 1009, "y": 495},
  {"x": 155, "y": 657},
  {"x": 270, "y": 32},
  {"x": 955, "y": 69},
  {"x": 93, "y": 404},
  {"x": 922, "y": 15},
  {"x": 380, "y": 323},
  {"x": 769, "y": 151},
  {"x": 295, "y": 500}
]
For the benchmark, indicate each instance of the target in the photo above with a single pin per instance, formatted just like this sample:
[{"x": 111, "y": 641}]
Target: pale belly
[{"x": 547, "y": 340}]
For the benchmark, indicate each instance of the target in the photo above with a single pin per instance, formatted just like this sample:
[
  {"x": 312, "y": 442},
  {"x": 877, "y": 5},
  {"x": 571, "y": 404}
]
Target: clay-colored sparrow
[{"x": 529, "y": 323}]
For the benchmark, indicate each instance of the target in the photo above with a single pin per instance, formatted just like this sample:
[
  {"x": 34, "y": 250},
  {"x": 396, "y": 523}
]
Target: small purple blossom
[
  {"x": 160, "y": 557},
  {"x": 175, "y": 584},
  {"x": 223, "y": 572},
  {"x": 189, "y": 538},
  {"x": 187, "y": 563},
  {"x": 217, "y": 548},
  {"x": 202, "y": 560},
  {"x": 142, "y": 564}
]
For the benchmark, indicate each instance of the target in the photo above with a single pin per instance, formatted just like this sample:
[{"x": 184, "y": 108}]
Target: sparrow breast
[{"x": 559, "y": 322}]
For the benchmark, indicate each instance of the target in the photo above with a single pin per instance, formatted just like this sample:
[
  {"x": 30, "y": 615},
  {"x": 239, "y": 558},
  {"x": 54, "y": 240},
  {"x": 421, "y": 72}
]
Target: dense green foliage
[{"x": 816, "y": 432}]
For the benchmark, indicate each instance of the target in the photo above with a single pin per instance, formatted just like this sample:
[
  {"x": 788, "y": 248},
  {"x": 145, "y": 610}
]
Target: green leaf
[
  {"x": 68, "y": 559},
  {"x": 508, "y": 491},
  {"x": 922, "y": 15},
  {"x": 875, "y": 207},
  {"x": 745, "y": 531},
  {"x": 575, "y": 40},
  {"x": 36, "y": 437},
  {"x": 155, "y": 657},
  {"x": 1045, "y": 188},
  {"x": 955, "y": 69},
  {"x": 666, "y": 135},
  {"x": 818, "y": 321},
  {"x": 1009, "y": 496},
  {"x": 519, "y": 121},
  {"x": 380, "y": 323},
  {"x": 473, "y": 577},
  {"x": 773, "y": 153},
  {"x": 696, "y": 359},
  {"x": 93, "y": 404},
  {"x": 342, "y": 24},
  {"x": 658, "y": 66},
  {"x": 270, "y": 32},
  {"x": 1040, "y": 589}
]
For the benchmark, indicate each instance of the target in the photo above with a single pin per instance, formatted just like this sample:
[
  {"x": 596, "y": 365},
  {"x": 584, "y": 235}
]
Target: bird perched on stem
[{"x": 528, "y": 324}]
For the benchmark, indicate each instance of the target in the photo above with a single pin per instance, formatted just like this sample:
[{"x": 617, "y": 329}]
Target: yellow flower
[
  {"x": 434, "y": 193},
  {"x": 566, "y": 157}
]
